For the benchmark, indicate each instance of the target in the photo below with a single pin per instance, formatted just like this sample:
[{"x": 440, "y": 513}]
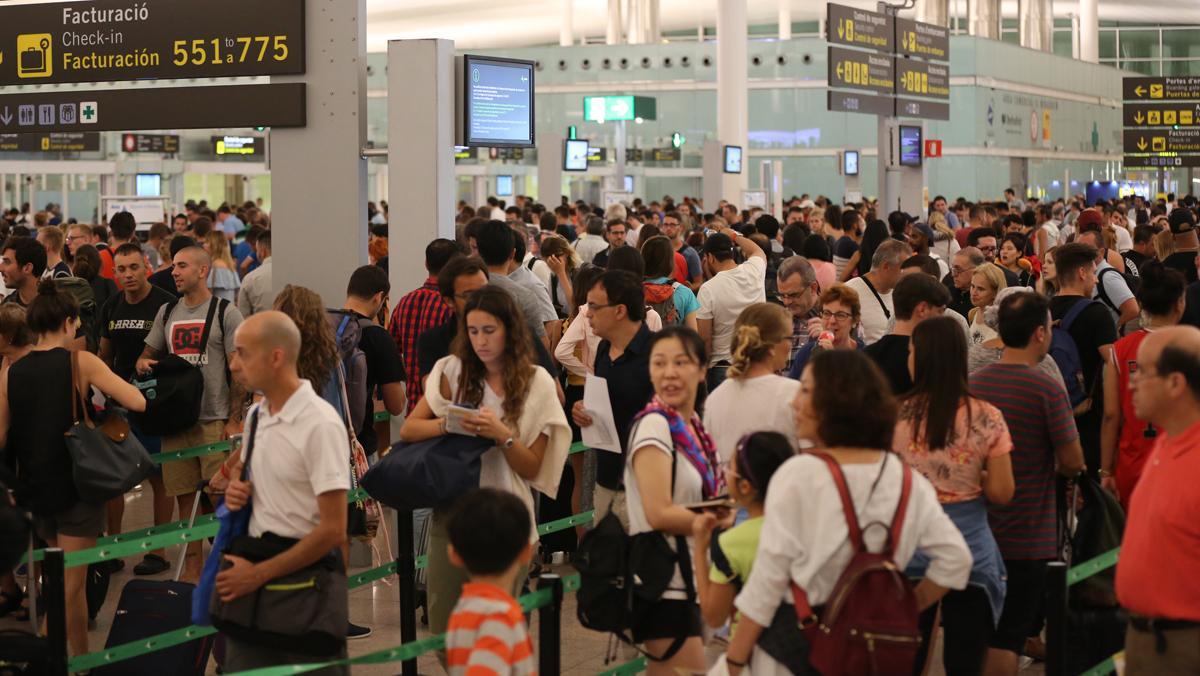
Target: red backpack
[{"x": 870, "y": 622}]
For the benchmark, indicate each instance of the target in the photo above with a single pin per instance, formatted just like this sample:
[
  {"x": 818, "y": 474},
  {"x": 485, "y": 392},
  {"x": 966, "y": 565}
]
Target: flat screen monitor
[
  {"x": 629, "y": 184},
  {"x": 733, "y": 159},
  {"x": 504, "y": 186},
  {"x": 910, "y": 146},
  {"x": 497, "y": 102},
  {"x": 575, "y": 155},
  {"x": 148, "y": 185},
  {"x": 850, "y": 163}
]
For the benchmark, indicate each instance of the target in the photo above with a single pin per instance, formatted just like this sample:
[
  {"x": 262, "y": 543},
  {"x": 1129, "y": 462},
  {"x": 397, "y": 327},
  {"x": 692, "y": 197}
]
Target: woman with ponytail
[{"x": 754, "y": 397}]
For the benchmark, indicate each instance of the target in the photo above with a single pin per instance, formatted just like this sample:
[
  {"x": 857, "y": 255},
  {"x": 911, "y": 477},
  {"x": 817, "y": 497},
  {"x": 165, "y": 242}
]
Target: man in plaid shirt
[
  {"x": 800, "y": 294},
  {"x": 421, "y": 309}
]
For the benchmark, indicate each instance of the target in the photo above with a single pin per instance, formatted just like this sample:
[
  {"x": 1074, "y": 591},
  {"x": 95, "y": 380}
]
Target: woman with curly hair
[
  {"x": 750, "y": 399},
  {"x": 318, "y": 350},
  {"x": 492, "y": 369}
]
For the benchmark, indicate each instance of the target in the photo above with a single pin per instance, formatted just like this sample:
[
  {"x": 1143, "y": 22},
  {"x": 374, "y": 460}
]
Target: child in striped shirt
[{"x": 489, "y": 537}]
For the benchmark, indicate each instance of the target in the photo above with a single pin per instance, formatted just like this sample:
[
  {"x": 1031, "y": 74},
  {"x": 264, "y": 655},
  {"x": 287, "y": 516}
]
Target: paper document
[{"x": 602, "y": 433}]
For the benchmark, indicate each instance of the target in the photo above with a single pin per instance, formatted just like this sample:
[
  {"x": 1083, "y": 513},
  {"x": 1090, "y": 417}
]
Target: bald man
[
  {"x": 299, "y": 479},
  {"x": 1156, "y": 574},
  {"x": 198, "y": 328}
]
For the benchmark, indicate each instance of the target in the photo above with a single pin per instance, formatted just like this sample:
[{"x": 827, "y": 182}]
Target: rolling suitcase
[{"x": 150, "y": 607}]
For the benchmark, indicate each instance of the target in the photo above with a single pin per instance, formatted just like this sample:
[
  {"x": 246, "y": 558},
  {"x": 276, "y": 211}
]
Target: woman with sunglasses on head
[{"x": 841, "y": 313}]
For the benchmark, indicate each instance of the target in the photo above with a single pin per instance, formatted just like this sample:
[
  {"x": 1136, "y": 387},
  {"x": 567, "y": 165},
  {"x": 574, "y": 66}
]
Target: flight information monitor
[
  {"x": 850, "y": 163},
  {"x": 504, "y": 186},
  {"x": 733, "y": 159},
  {"x": 910, "y": 146},
  {"x": 575, "y": 155},
  {"x": 497, "y": 102}
]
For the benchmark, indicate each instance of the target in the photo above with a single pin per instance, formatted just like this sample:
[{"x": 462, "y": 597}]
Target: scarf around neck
[{"x": 700, "y": 452}]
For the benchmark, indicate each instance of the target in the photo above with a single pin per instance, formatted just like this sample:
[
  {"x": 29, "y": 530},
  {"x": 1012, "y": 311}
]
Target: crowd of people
[{"x": 771, "y": 385}]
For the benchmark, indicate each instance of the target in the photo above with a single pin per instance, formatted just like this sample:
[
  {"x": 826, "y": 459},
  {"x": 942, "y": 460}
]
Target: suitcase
[{"x": 150, "y": 607}]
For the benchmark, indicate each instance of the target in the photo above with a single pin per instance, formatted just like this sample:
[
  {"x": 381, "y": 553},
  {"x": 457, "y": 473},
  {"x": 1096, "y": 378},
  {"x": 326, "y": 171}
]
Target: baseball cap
[
  {"x": 1090, "y": 219},
  {"x": 1181, "y": 220},
  {"x": 717, "y": 243}
]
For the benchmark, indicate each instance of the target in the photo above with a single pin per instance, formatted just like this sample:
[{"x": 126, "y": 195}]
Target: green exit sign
[{"x": 617, "y": 108}]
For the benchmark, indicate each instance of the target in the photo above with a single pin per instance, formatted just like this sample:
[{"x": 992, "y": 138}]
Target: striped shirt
[
  {"x": 1039, "y": 420},
  {"x": 487, "y": 635},
  {"x": 417, "y": 311}
]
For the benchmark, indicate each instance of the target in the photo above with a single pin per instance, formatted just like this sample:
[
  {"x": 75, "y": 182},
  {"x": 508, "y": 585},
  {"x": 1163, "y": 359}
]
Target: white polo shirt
[{"x": 299, "y": 453}]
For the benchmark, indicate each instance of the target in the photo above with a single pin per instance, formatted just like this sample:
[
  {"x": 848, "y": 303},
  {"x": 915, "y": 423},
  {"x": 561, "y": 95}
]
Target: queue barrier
[{"x": 1061, "y": 578}]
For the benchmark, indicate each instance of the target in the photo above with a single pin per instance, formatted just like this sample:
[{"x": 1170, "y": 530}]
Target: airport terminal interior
[{"x": 795, "y": 159}]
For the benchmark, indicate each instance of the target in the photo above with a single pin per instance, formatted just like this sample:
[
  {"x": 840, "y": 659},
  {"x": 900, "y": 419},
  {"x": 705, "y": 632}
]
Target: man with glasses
[
  {"x": 672, "y": 227},
  {"x": 958, "y": 282},
  {"x": 800, "y": 294},
  {"x": 1156, "y": 579},
  {"x": 614, "y": 232}
]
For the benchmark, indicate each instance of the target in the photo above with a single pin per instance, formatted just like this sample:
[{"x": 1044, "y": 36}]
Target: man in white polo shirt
[
  {"x": 875, "y": 288},
  {"x": 729, "y": 290},
  {"x": 299, "y": 477}
]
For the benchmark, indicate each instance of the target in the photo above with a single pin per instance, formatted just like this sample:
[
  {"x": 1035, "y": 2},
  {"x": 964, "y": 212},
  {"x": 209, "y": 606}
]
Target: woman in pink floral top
[{"x": 961, "y": 444}]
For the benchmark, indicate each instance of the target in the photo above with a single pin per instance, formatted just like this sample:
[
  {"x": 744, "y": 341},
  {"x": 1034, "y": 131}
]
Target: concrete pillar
[
  {"x": 1089, "y": 31},
  {"x": 320, "y": 209},
  {"x": 983, "y": 18},
  {"x": 566, "y": 23},
  {"x": 936, "y": 12},
  {"x": 653, "y": 21},
  {"x": 785, "y": 19},
  {"x": 1035, "y": 21},
  {"x": 614, "y": 29},
  {"x": 732, "y": 92},
  {"x": 549, "y": 168}
]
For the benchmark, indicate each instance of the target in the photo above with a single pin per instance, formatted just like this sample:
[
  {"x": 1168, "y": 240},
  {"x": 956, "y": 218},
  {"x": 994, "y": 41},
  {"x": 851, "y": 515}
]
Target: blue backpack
[
  {"x": 347, "y": 331},
  {"x": 1065, "y": 353}
]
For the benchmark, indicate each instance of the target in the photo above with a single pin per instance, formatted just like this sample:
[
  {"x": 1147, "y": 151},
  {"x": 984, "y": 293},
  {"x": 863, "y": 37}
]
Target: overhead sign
[
  {"x": 859, "y": 28},
  {"x": 853, "y": 69},
  {"x": 634, "y": 154},
  {"x": 846, "y": 102},
  {"x": 1161, "y": 114},
  {"x": 246, "y": 146},
  {"x": 465, "y": 154},
  {"x": 164, "y": 144},
  {"x": 1161, "y": 88},
  {"x": 1162, "y": 140},
  {"x": 50, "y": 142},
  {"x": 926, "y": 40},
  {"x": 616, "y": 108},
  {"x": 1163, "y": 161},
  {"x": 921, "y": 78},
  {"x": 506, "y": 153},
  {"x": 269, "y": 105},
  {"x": 112, "y": 40},
  {"x": 667, "y": 155},
  {"x": 922, "y": 109},
  {"x": 597, "y": 155}
]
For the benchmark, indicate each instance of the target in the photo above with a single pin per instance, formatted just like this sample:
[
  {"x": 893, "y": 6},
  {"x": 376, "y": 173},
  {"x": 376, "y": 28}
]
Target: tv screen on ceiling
[
  {"x": 504, "y": 186},
  {"x": 497, "y": 98},
  {"x": 575, "y": 155},
  {"x": 910, "y": 146},
  {"x": 850, "y": 163},
  {"x": 733, "y": 159}
]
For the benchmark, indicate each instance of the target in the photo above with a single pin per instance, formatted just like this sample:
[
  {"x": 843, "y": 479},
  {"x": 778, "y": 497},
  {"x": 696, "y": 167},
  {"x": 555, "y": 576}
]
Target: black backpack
[
  {"x": 81, "y": 290},
  {"x": 174, "y": 390}
]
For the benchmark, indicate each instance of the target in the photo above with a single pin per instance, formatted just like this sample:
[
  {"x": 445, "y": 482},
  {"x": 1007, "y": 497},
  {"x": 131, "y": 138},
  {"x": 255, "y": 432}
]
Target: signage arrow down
[
  {"x": 1141, "y": 144},
  {"x": 841, "y": 29},
  {"x": 6, "y": 117},
  {"x": 1138, "y": 117}
]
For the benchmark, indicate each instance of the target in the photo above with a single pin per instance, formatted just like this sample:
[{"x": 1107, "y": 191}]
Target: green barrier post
[{"x": 1056, "y": 619}]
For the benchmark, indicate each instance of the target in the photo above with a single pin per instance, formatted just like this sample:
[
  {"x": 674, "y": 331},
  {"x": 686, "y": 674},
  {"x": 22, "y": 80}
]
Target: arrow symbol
[
  {"x": 1139, "y": 90},
  {"x": 1138, "y": 117},
  {"x": 839, "y": 70},
  {"x": 1141, "y": 144},
  {"x": 6, "y": 117},
  {"x": 621, "y": 108},
  {"x": 841, "y": 29}
]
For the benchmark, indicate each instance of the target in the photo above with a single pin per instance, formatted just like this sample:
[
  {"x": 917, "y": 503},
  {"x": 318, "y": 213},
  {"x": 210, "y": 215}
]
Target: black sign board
[
  {"x": 921, "y": 78},
  {"x": 1161, "y": 114},
  {"x": 268, "y": 105},
  {"x": 667, "y": 155},
  {"x": 465, "y": 154},
  {"x": 859, "y": 28},
  {"x": 634, "y": 154},
  {"x": 926, "y": 40},
  {"x": 846, "y": 102},
  {"x": 597, "y": 155},
  {"x": 853, "y": 69},
  {"x": 1162, "y": 140},
  {"x": 163, "y": 144},
  {"x": 925, "y": 110},
  {"x": 112, "y": 40},
  {"x": 50, "y": 143},
  {"x": 506, "y": 153},
  {"x": 1161, "y": 88},
  {"x": 1164, "y": 161},
  {"x": 239, "y": 146}
]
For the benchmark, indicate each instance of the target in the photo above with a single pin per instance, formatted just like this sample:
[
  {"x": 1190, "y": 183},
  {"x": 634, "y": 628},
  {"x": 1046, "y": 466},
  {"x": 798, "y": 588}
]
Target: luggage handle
[{"x": 191, "y": 524}]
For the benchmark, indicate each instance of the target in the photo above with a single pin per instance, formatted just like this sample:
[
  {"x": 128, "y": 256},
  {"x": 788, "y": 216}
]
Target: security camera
[
  {"x": 807, "y": 59},
  {"x": 756, "y": 60},
  {"x": 624, "y": 63},
  {"x": 645, "y": 62},
  {"x": 707, "y": 61},
  {"x": 606, "y": 64},
  {"x": 586, "y": 64},
  {"x": 667, "y": 62},
  {"x": 781, "y": 60},
  {"x": 685, "y": 61},
  {"x": 537, "y": 65},
  {"x": 562, "y": 64}
]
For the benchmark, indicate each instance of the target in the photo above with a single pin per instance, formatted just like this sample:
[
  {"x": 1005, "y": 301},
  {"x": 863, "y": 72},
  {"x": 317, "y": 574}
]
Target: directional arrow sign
[
  {"x": 925, "y": 40},
  {"x": 1160, "y": 161},
  {"x": 860, "y": 28},
  {"x": 6, "y": 117},
  {"x": 861, "y": 70},
  {"x": 1163, "y": 140},
  {"x": 1185, "y": 88},
  {"x": 1166, "y": 114}
]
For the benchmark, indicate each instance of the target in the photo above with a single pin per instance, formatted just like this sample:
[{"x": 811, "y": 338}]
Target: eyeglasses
[
  {"x": 794, "y": 296},
  {"x": 987, "y": 248},
  {"x": 958, "y": 271},
  {"x": 593, "y": 307},
  {"x": 840, "y": 316}
]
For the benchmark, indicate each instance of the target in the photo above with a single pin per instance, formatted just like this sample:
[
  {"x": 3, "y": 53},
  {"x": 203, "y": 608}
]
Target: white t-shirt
[
  {"x": 299, "y": 453},
  {"x": 1124, "y": 239},
  {"x": 741, "y": 406},
  {"x": 653, "y": 434},
  {"x": 874, "y": 320},
  {"x": 1116, "y": 289},
  {"x": 723, "y": 298}
]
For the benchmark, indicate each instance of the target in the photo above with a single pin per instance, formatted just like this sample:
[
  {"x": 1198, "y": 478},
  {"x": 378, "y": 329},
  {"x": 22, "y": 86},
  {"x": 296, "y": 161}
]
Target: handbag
[
  {"x": 107, "y": 461},
  {"x": 363, "y": 516},
  {"x": 427, "y": 474}
]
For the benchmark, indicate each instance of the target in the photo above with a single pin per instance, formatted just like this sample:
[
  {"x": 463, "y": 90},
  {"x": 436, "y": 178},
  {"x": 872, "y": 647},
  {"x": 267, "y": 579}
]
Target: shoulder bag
[
  {"x": 107, "y": 461},
  {"x": 429, "y": 473}
]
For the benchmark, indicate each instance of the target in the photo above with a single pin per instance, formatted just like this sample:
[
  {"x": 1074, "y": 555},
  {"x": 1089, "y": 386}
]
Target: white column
[
  {"x": 566, "y": 23},
  {"x": 983, "y": 18},
  {"x": 1089, "y": 31},
  {"x": 785, "y": 19},
  {"x": 549, "y": 168},
  {"x": 1035, "y": 21},
  {"x": 732, "y": 93},
  {"x": 614, "y": 29}
]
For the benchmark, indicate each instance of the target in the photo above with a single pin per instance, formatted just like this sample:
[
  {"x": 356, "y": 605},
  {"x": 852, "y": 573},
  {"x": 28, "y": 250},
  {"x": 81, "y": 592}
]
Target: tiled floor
[{"x": 377, "y": 605}]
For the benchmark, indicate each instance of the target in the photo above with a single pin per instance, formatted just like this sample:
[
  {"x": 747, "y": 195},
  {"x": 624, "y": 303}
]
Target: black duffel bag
[{"x": 430, "y": 473}]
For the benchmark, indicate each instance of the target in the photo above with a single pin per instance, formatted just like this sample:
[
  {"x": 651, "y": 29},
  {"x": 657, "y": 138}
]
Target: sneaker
[
  {"x": 152, "y": 564},
  {"x": 355, "y": 631}
]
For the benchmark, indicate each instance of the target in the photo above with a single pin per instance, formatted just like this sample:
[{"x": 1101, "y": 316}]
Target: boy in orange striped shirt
[{"x": 489, "y": 537}]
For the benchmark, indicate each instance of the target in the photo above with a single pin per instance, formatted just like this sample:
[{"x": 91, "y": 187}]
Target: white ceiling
[{"x": 514, "y": 23}]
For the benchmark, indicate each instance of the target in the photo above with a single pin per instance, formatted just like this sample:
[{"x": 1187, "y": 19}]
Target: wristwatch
[{"x": 508, "y": 443}]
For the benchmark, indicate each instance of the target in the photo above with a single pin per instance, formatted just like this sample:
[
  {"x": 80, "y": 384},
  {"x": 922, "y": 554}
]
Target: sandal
[{"x": 11, "y": 603}]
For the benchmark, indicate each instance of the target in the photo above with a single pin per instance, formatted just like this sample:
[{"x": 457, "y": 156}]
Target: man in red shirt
[
  {"x": 421, "y": 309},
  {"x": 1156, "y": 574}
]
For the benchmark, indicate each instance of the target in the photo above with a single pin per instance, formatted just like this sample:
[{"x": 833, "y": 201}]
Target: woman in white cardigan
[{"x": 491, "y": 368}]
